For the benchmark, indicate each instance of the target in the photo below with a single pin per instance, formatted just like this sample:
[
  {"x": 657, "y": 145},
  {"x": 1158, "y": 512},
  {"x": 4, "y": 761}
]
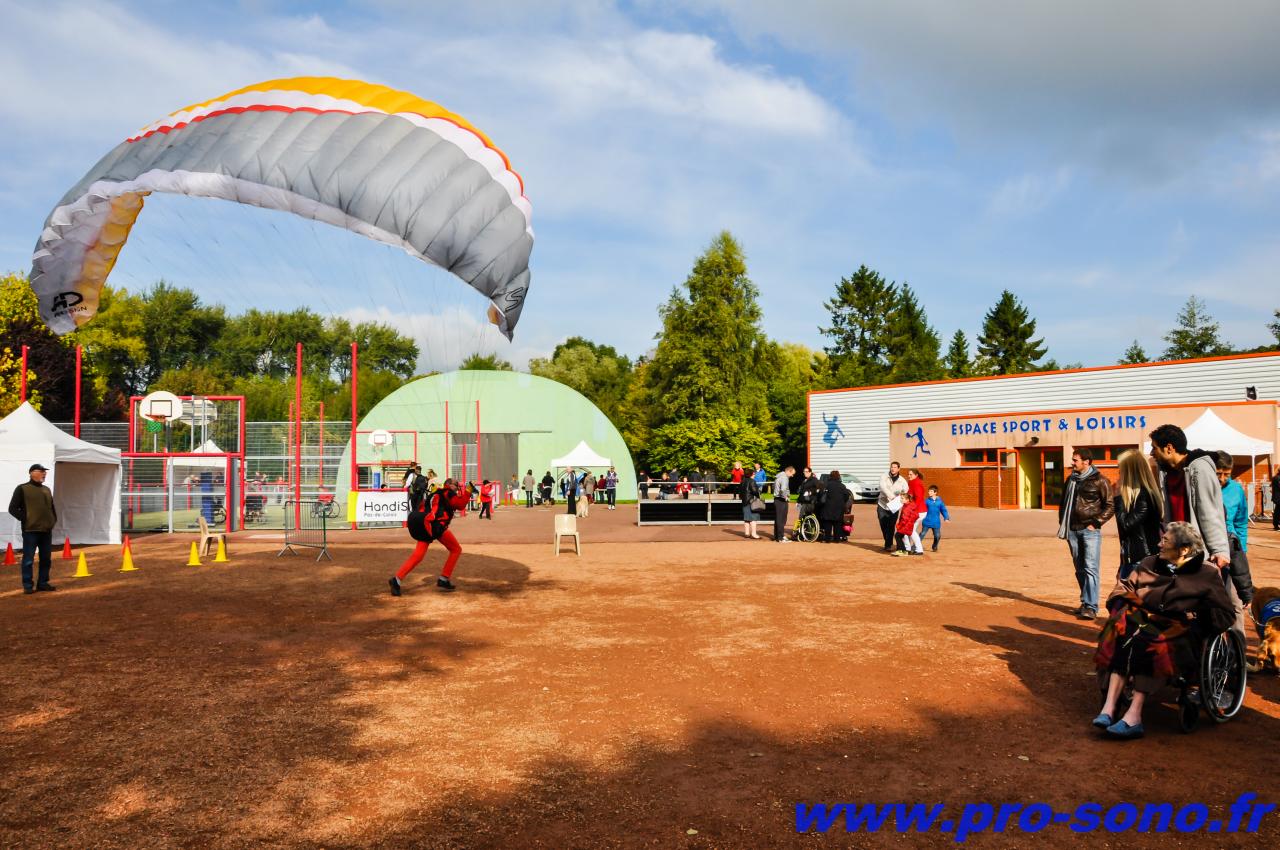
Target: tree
[
  {"x": 710, "y": 443},
  {"x": 487, "y": 362},
  {"x": 1196, "y": 334},
  {"x": 50, "y": 358},
  {"x": 913, "y": 346},
  {"x": 712, "y": 355},
  {"x": 859, "y": 329},
  {"x": 1274, "y": 327},
  {"x": 1005, "y": 344},
  {"x": 1134, "y": 354},
  {"x": 799, "y": 370},
  {"x": 957, "y": 362},
  {"x": 596, "y": 371}
]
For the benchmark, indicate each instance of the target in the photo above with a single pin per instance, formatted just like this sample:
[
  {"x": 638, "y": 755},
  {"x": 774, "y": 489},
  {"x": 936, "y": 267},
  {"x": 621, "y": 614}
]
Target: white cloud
[{"x": 1029, "y": 194}]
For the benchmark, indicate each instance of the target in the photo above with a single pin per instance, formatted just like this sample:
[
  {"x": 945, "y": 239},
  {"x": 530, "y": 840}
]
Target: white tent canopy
[
  {"x": 582, "y": 456},
  {"x": 1209, "y": 432},
  {"x": 84, "y": 477},
  {"x": 209, "y": 448}
]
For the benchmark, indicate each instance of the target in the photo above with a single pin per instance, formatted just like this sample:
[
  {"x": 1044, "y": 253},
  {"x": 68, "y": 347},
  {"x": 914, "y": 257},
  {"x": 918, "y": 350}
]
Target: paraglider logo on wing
[{"x": 381, "y": 163}]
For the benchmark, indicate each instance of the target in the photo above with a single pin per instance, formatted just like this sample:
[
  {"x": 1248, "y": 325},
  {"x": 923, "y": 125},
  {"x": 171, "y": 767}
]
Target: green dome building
[{"x": 495, "y": 424}]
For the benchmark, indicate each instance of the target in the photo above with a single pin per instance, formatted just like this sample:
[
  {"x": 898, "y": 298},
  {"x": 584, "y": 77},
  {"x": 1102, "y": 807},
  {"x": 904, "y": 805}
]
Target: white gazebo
[
  {"x": 84, "y": 477},
  {"x": 1209, "y": 432},
  {"x": 581, "y": 457}
]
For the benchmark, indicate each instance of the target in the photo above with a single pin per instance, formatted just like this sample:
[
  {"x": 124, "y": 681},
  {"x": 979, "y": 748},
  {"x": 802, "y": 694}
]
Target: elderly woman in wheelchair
[{"x": 1166, "y": 620}]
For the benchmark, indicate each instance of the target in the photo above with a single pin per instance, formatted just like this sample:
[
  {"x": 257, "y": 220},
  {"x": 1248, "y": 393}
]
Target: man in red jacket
[
  {"x": 486, "y": 500},
  {"x": 430, "y": 522}
]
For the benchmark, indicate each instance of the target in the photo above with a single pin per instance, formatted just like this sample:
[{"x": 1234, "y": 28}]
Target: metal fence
[{"x": 306, "y": 526}]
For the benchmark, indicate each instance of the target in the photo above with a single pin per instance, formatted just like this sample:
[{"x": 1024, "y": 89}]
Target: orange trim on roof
[
  {"x": 1247, "y": 356},
  {"x": 1001, "y": 415}
]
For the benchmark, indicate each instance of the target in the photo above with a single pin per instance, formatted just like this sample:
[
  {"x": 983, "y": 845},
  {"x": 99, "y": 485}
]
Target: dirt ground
[{"x": 624, "y": 698}]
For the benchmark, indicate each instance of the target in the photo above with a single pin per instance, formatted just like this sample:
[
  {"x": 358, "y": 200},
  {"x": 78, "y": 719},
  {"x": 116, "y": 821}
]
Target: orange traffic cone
[
  {"x": 126, "y": 565},
  {"x": 82, "y": 568},
  {"x": 9, "y": 560},
  {"x": 194, "y": 560},
  {"x": 66, "y": 550}
]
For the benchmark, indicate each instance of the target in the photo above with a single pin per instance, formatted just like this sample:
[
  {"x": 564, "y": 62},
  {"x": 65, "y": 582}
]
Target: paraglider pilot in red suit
[{"x": 428, "y": 521}]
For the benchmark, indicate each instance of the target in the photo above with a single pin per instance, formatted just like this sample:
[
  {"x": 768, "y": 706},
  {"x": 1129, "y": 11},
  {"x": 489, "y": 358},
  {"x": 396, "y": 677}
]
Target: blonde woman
[{"x": 1138, "y": 506}]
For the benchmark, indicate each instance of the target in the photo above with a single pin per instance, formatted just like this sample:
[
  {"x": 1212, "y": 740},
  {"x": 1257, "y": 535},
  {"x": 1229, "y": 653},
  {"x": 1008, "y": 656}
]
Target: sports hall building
[{"x": 1006, "y": 441}]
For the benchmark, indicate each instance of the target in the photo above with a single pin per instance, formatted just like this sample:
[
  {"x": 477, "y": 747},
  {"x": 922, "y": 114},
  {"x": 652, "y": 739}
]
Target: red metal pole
[
  {"x": 321, "y": 474},
  {"x": 297, "y": 445},
  {"x": 478, "y": 468},
  {"x": 24, "y": 375},
  {"x": 355, "y": 469},
  {"x": 79, "y": 360},
  {"x": 448, "y": 449}
]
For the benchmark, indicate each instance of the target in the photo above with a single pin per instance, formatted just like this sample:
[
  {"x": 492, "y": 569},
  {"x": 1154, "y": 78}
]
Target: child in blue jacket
[{"x": 935, "y": 511}]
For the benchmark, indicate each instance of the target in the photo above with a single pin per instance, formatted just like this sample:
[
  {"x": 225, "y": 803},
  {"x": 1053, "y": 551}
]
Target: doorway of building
[
  {"x": 1030, "y": 480},
  {"x": 1008, "y": 477},
  {"x": 1052, "y": 477}
]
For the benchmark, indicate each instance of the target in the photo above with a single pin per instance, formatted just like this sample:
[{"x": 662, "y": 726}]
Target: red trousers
[{"x": 420, "y": 551}]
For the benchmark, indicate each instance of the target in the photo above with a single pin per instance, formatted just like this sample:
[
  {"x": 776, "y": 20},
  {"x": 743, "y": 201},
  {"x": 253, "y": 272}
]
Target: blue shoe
[
  {"x": 1102, "y": 721},
  {"x": 1120, "y": 729}
]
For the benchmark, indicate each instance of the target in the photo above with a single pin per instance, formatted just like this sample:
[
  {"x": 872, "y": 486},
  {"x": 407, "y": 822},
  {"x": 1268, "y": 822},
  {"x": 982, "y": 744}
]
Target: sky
[{"x": 1104, "y": 161}]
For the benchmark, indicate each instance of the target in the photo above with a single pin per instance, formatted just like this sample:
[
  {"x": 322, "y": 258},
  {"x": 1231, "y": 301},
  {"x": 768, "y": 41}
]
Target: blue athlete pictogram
[
  {"x": 833, "y": 429},
  {"x": 922, "y": 445}
]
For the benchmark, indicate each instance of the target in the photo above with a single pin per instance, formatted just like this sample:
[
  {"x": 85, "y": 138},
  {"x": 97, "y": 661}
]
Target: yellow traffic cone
[
  {"x": 126, "y": 565},
  {"x": 221, "y": 557},
  {"x": 194, "y": 560},
  {"x": 82, "y": 569}
]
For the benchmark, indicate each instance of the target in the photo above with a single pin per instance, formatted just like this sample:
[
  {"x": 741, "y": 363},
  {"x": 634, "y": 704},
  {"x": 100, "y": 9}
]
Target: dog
[{"x": 1265, "y": 609}]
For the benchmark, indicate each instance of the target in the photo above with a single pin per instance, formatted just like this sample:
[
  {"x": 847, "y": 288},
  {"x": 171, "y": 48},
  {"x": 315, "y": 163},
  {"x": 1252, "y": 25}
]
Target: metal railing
[
  {"x": 695, "y": 502},
  {"x": 306, "y": 525}
]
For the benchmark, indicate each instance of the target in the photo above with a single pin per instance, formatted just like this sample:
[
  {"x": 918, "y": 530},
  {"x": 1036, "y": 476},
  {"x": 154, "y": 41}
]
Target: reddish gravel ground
[{"x": 626, "y": 698}]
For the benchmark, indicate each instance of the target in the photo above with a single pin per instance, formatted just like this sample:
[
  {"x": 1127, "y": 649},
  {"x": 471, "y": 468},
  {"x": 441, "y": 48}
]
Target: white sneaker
[{"x": 783, "y": 540}]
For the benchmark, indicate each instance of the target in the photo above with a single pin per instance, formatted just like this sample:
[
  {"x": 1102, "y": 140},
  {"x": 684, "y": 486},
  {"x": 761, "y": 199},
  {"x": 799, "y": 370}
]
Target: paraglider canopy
[{"x": 382, "y": 163}]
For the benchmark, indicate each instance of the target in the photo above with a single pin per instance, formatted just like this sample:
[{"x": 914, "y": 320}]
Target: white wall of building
[{"x": 863, "y": 415}]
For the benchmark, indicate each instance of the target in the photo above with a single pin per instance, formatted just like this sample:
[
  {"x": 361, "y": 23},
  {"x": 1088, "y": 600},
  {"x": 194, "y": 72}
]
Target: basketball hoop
[
  {"x": 381, "y": 438},
  {"x": 154, "y": 423}
]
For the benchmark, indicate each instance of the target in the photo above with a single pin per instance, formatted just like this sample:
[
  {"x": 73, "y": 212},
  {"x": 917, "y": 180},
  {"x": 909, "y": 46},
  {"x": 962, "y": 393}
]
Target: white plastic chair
[
  {"x": 567, "y": 526},
  {"x": 208, "y": 537}
]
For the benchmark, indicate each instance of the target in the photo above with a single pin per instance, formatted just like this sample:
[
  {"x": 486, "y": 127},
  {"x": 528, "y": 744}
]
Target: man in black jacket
[{"x": 32, "y": 505}]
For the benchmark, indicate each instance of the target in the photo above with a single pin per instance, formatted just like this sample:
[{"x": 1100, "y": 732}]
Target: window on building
[
  {"x": 978, "y": 457},
  {"x": 1106, "y": 455}
]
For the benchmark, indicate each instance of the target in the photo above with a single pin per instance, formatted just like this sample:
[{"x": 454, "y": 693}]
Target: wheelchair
[
  {"x": 807, "y": 528},
  {"x": 327, "y": 508},
  {"x": 1222, "y": 685},
  {"x": 254, "y": 508}
]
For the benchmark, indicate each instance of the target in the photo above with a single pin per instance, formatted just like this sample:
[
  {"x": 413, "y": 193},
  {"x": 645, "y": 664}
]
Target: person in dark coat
[
  {"x": 834, "y": 501},
  {"x": 32, "y": 505},
  {"x": 748, "y": 492},
  {"x": 1138, "y": 511},
  {"x": 1160, "y": 617}
]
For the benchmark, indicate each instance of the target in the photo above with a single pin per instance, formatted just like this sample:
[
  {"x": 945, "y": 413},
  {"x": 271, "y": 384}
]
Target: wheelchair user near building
[{"x": 1160, "y": 618}]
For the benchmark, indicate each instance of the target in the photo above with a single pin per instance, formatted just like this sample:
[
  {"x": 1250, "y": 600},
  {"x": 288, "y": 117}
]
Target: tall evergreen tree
[
  {"x": 712, "y": 358},
  {"x": 1134, "y": 354},
  {"x": 913, "y": 346},
  {"x": 1274, "y": 327},
  {"x": 957, "y": 362},
  {"x": 1006, "y": 345},
  {"x": 1196, "y": 334},
  {"x": 859, "y": 330}
]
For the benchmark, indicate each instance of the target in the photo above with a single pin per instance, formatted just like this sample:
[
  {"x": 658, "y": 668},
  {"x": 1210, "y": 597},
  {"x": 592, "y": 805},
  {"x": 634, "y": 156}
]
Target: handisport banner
[{"x": 377, "y": 506}]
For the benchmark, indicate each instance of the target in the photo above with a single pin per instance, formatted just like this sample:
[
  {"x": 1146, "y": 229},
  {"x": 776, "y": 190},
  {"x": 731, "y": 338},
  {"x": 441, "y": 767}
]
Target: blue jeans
[
  {"x": 31, "y": 540},
  {"x": 1086, "y": 545}
]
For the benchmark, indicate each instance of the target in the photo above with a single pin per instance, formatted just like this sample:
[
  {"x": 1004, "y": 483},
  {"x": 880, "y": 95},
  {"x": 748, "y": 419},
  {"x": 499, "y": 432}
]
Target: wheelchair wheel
[
  {"x": 1223, "y": 676},
  {"x": 807, "y": 529}
]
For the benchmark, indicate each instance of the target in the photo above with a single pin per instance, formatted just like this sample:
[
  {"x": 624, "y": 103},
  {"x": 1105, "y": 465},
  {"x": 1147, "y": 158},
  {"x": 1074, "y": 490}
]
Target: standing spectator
[
  {"x": 32, "y": 505},
  {"x": 1189, "y": 483},
  {"x": 833, "y": 500},
  {"x": 749, "y": 494},
  {"x": 611, "y": 487},
  {"x": 643, "y": 481},
  {"x": 1138, "y": 511},
  {"x": 513, "y": 490},
  {"x": 548, "y": 489},
  {"x": 589, "y": 486},
  {"x": 570, "y": 486},
  {"x": 892, "y": 487},
  {"x": 735, "y": 478},
  {"x": 406, "y": 483},
  {"x": 529, "y": 484},
  {"x": 908, "y": 538},
  {"x": 935, "y": 514},
  {"x": 915, "y": 486},
  {"x": 486, "y": 499},
  {"x": 760, "y": 476},
  {"x": 1086, "y": 507},
  {"x": 1235, "y": 505},
  {"x": 782, "y": 503},
  {"x": 695, "y": 481}
]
